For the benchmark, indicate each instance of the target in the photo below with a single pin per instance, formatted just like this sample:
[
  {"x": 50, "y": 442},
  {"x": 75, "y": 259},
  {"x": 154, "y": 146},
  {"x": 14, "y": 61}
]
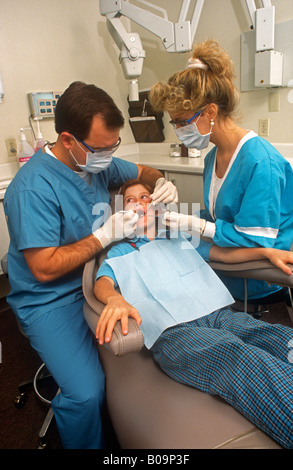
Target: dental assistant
[
  {"x": 53, "y": 208},
  {"x": 248, "y": 185}
]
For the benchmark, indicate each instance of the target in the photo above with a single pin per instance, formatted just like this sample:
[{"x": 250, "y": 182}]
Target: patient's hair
[
  {"x": 77, "y": 107},
  {"x": 193, "y": 89},
  {"x": 134, "y": 182}
]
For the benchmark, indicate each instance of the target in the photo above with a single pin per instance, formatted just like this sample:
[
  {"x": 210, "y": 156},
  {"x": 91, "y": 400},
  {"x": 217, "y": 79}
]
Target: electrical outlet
[
  {"x": 11, "y": 146},
  {"x": 264, "y": 127}
]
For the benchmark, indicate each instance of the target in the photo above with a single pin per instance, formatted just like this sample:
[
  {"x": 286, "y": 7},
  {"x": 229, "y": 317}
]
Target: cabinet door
[{"x": 190, "y": 190}]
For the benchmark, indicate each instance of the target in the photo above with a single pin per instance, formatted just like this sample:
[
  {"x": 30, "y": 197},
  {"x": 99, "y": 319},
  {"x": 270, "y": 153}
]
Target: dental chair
[
  {"x": 261, "y": 270},
  {"x": 149, "y": 410}
]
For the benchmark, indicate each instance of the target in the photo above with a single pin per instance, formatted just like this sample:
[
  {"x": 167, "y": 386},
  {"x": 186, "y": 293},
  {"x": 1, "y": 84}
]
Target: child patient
[{"x": 184, "y": 313}]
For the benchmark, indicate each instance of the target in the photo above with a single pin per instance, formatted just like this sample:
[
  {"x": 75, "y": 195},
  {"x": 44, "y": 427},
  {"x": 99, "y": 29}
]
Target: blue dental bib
[{"x": 168, "y": 282}]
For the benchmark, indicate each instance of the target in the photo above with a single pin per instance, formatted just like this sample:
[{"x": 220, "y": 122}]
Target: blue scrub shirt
[
  {"x": 254, "y": 206},
  {"x": 47, "y": 204}
]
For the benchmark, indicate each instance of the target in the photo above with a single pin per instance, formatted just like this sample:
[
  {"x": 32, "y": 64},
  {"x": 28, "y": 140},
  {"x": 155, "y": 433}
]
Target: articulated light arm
[
  {"x": 131, "y": 54},
  {"x": 268, "y": 66},
  {"x": 176, "y": 37},
  {"x": 263, "y": 21}
]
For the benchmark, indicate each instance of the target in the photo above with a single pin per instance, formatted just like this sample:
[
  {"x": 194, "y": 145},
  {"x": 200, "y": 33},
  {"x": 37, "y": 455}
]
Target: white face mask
[
  {"x": 95, "y": 162},
  {"x": 191, "y": 137}
]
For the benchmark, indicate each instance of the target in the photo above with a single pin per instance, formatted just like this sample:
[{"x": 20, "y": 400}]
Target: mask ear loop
[
  {"x": 79, "y": 145},
  {"x": 76, "y": 162}
]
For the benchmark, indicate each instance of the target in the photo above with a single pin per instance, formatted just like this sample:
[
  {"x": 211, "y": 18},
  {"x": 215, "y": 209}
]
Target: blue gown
[
  {"x": 254, "y": 206},
  {"x": 47, "y": 204}
]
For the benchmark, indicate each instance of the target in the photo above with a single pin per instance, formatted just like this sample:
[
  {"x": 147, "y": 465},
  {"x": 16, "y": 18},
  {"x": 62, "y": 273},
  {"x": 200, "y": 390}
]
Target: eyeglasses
[
  {"x": 177, "y": 124},
  {"x": 105, "y": 149}
]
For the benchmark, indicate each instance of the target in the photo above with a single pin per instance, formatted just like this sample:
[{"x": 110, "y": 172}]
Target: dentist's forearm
[
  {"x": 149, "y": 175},
  {"x": 50, "y": 263}
]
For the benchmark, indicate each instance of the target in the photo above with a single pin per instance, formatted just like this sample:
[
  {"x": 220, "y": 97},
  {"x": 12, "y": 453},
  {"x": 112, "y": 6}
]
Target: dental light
[{"x": 176, "y": 37}]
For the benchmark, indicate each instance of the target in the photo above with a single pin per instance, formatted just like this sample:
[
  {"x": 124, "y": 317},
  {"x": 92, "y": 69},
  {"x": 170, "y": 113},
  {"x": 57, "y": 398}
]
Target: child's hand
[{"x": 116, "y": 309}]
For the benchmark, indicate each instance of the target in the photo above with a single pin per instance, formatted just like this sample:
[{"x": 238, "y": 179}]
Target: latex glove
[
  {"x": 165, "y": 192},
  {"x": 120, "y": 225},
  {"x": 183, "y": 222}
]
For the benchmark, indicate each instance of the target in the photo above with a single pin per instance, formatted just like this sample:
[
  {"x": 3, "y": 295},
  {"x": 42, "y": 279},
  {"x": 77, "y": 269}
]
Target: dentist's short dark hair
[{"x": 77, "y": 107}]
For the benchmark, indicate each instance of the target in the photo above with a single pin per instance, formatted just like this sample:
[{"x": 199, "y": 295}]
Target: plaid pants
[{"x": 241, "y": 359}]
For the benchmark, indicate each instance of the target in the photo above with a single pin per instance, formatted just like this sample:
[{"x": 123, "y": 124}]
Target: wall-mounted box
[
  {"x": 268, "y": 69},
  {"x": 42, "y": 104},
  {"x": 283, "y": 43}
]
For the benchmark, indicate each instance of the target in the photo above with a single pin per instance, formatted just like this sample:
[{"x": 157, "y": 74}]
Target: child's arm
[
  {"x": 279, "y": 258},
  {"x": 116, "y": 309}
]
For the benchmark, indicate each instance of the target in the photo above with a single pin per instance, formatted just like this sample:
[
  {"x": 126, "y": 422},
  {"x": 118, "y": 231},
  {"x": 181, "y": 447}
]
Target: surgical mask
[
  {"x": 95, "y": 162},
  {"x": 191, "y": 137}
]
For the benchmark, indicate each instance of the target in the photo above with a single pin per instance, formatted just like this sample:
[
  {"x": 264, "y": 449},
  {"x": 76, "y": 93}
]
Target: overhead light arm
[
  {"x": 176, "y": 37},
  {"x": 263, "y": 21}
]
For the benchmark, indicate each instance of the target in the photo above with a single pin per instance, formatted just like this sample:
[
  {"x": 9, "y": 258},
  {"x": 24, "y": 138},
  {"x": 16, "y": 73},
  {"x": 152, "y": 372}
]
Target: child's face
[{"x": 137, "y": 198}]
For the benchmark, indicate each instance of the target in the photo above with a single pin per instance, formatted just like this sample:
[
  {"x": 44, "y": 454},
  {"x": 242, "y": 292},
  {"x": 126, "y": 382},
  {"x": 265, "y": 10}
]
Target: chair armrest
[
  {"x": 262, "y": 270},
  {"x": 120, "y": 344}
]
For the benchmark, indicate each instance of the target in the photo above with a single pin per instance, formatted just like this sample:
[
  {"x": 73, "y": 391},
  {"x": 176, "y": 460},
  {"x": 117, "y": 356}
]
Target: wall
[{"x": 45, "y": 45}]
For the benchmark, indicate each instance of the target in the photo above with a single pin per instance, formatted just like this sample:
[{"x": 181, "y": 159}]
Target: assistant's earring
[{"x": 212, "y": 122}]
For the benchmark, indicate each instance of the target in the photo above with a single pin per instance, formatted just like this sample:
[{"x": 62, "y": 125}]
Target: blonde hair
[{"x": 195, "y": 87}]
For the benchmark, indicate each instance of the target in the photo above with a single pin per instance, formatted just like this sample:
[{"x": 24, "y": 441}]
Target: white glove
[
  {"x": 165, "y": 192},
  {"x": 120, "y": 225},
  {"x": 183, "y": 222}
]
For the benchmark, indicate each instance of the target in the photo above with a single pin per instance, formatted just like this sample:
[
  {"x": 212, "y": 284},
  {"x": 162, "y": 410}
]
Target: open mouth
[{"x": 140, "y": 213}]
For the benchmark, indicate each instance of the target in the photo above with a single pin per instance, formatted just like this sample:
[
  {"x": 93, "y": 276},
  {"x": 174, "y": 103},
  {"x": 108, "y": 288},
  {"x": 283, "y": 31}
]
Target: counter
[{"x": 157, "y": 157}]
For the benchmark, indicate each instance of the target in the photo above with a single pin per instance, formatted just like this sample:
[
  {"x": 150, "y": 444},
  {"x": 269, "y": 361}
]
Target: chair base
[{"x": 42, "y": 376}]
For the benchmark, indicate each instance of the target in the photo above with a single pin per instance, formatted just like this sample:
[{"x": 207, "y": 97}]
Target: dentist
[
  {"x": 248, "y": 185},
  {"x": 50, "y": 208}
]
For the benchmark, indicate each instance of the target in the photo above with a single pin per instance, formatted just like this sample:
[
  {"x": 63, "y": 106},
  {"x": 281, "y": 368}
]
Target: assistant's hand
[
  {"x": 183, "y": 222},
  {"x": 120, "y": 225},
  {"x": 281, "y": 259},
  {"x": 165, "y": 192},
  {"x": 116, "y": 309}
]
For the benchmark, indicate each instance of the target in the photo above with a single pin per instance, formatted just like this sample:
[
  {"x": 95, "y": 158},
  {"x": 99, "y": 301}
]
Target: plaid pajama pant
[{"x": 241, "y": 359}]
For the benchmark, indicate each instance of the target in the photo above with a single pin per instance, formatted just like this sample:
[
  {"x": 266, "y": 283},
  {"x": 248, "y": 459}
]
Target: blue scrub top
[
  {"x": 254, "y": 206},
  {"x": 47, "y": 204}
]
